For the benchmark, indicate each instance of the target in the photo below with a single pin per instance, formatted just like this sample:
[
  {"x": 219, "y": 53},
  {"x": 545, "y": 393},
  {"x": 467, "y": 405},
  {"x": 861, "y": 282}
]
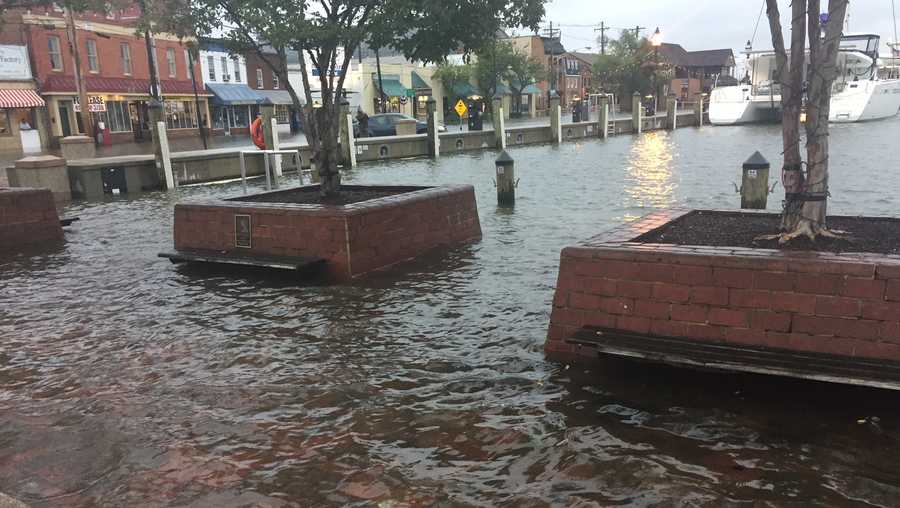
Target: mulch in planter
[{"x": 734, "y": 229}]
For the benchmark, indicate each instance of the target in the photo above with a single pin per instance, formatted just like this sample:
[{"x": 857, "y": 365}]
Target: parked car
[{"x": 386, "y": 125}]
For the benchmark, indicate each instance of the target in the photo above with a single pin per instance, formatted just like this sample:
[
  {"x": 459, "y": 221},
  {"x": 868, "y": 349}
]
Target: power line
[{"x": 603, "y": 28}]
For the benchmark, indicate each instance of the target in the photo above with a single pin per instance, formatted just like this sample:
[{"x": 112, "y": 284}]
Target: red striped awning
[{"x": 20, "y": 99}]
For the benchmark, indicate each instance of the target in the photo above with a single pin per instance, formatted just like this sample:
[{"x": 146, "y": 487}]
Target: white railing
[{"x": 266, "y": 154}]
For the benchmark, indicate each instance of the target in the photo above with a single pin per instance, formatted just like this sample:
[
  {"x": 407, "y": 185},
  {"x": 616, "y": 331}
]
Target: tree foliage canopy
[{"x": 627, "y": 67}]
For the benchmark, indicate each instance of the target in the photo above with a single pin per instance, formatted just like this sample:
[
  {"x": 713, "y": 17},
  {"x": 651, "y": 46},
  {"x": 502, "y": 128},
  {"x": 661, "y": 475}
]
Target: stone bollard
[
  {"x": 555, "y": 118},
  {"x": 405, "y": 127},
  {"x": 434, "y": 139},
  {"x": 499, "y": 123},
  {"x": 671, "y": 112},
  {"x": 698, "y": 110},
  {"x": 506, "y": 180},
  {"x": 42, "y": 172},
  {"x": 755, "y": 182},
  {"x": 77, "y": 147},
  {"x": 603, "y": 131},
  {"x": 636, "y": 113}
]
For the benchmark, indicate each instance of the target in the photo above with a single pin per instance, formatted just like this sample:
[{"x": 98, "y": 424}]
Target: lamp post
[{"x": 656, "y": 41}]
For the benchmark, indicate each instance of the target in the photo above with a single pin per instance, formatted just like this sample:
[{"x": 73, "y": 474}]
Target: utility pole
[
  {"x": 80, "y": 86},
  {"x": 190, "y": 64},
  {"x": 381, "y": 96},
  {"x": 603, "y": 28},
  {"x": 155, "y": 89},
  {"x": 637, "y": 31}
]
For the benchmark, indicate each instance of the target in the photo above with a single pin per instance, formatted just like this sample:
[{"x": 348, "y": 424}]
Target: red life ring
[{"x": 257, "y": 133}]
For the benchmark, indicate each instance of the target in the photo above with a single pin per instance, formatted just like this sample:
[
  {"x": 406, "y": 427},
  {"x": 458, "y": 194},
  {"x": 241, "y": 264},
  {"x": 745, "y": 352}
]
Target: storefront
[
  {"x": 284, "y": 106},
  {"x": 421, "y": 92},
  {"x": 20, "y": 104},
  {"x": 397, "y": 95},
  {"x": 121, "y": 113},
  {"x": 233, "y": 107}
]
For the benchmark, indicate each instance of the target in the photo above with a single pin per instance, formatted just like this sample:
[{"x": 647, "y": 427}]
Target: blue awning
[
  {"x": 233, "y": 94},
  {"x": 278, "y": 97}
]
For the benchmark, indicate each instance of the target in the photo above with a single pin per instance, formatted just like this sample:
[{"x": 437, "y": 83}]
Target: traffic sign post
[{"x": 461, "y": 110}]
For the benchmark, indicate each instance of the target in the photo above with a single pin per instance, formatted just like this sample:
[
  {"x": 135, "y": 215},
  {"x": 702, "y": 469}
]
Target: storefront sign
[
  {"x": 95, "y": 104},
  {"x": 14, "y": 63}
]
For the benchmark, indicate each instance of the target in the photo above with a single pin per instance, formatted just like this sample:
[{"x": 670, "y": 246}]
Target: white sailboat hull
[
  {"x": 734, "y": 105},
  {"x": 866, "y": 100}
]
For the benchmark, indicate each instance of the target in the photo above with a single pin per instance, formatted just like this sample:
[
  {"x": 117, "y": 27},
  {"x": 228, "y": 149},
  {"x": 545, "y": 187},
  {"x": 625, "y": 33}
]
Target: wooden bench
[{"x": 238, "y": 258}]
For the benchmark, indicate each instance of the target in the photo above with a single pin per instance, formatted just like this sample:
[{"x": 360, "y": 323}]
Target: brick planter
[
  {"x": 796, "y": 301},
  {"x": 27, "y": 216},
  {"x": 354, "y": 239}
]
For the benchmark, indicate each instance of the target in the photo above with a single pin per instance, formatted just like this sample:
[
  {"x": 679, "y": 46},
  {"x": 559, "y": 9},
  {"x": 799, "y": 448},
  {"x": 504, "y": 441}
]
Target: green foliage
[
  {"x": 525, "y": 70},
  {"x": 453, "y": 76},
  {"x": 627, "y": 67},
  {"x": 492, "y": 67}
]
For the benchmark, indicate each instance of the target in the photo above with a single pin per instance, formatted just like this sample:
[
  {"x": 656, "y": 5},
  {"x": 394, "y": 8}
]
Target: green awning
[
  {"x": 418, "y": 82},
  {"x": 393, "y": 87},
  {"x": 464, "y": 90},
  {"x": 531, "y": 89},
  {"x": 502, "y": 89}
]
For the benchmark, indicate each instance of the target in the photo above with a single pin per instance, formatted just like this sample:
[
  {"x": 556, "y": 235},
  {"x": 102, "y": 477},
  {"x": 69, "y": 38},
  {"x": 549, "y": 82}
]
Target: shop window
[
  {"x": 181, "y": 115},
  {"x": 240, "y": 116},
  {"x": 93, "y": 62},
  {"x": 170, "y": 59},
  {"x": 5, "y": 129},
  {"x": 237, "y": 69},
  {"x": 211, "y": 63},
  {"x": 259, "y": 78},
  {"x": 125, "y": 48},
  {"x": 282, "y": 113},
  {"x": 117, "y": 116},
  {"x": 55, "y": 54}
]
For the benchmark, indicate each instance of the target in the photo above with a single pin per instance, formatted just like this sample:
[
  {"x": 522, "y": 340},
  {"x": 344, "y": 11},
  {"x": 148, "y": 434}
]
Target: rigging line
[
  {"x": 758, "y": 18},
  {"x": 894, "y": 12}
]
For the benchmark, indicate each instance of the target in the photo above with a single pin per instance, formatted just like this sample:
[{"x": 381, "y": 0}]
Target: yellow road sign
[{"x": 461, "y": 108}]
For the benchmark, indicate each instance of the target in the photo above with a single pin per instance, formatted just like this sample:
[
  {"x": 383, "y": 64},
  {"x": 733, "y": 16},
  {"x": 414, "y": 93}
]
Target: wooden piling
[
  {"x": 434, "y": 140},
  {"x": 499, "y": 124},
  {"x": 636, "y": 113},
  {"x": 555, "y": 118},
  {"x": 604, "y": 117},
  {"x": 506, "y": 180},
  {"x": 671, "y": 112},
  {"x": 755, "y": 182}
]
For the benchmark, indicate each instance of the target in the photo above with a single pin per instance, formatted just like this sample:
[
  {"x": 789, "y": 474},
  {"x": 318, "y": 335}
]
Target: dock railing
[{"x": 266, "y": 154}]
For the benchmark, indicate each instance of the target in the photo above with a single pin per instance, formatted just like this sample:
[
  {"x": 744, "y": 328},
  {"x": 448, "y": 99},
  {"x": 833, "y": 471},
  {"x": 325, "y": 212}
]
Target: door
[{"x": 64, "y": 118}]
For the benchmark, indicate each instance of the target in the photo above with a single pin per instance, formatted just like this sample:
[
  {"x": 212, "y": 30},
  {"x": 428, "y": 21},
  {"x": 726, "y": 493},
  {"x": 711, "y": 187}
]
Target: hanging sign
[{"x": 14, "y": 63}]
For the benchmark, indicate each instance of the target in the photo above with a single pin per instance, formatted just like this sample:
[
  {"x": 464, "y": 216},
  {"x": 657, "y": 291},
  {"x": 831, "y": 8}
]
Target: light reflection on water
[{"x": 125, "y": 381}]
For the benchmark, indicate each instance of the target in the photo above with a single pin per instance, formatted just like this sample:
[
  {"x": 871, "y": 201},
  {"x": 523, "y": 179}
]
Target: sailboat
[{"x": 860, "y": 92}]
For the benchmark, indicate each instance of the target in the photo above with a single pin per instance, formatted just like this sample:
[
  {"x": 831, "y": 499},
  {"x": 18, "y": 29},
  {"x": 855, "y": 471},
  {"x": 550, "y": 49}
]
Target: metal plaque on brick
[{"x": 242, "y": 231}]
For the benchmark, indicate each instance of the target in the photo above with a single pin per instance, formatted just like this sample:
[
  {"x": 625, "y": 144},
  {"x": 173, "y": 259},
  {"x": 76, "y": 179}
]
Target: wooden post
[
  {"x": 276, "y": 146},
  {"x": 499, "y": 124},
  {"x": 604, "y": 117},
  {"x": 164, "y": 158},
  {"x": 267, "y": 110},
  {"x": 434, "y": 139},
  {"x": 555, "y": 118},
  {"x": 755, "y": 182},
  {"x": 671, "y": 112},
  {"x": 636, "y": 113},
  {"x": 506, "y": 180}
]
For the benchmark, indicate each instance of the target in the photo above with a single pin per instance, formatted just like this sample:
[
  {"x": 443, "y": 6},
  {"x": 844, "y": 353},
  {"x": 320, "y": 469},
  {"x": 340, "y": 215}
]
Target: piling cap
[
  {"x": 756, "y": 161},
  {"x": 504, "y": 158}
]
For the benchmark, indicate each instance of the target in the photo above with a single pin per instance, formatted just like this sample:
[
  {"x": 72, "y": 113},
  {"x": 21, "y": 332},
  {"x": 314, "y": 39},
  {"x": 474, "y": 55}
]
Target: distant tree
[
  {"x": 453, "y": 77},
  {"x": 326, "y": 33},
  {"x": 627, "y": 67},
  {"x": 805, "y": 204},
  {"x": 493, "y": 67},
  {"x": 524, "y": 70}
]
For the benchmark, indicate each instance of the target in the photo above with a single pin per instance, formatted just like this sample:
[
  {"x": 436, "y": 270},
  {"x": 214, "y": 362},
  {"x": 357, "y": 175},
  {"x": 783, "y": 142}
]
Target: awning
[
  {"x": 531, "y": 89},
  {"x": 502, "y": 89},
  {"x": 278, "y": 97},
  {"x": 418, "y": 82},
  {"x": 95, "y": 85},
  {"x": 233, "y": 95},
  {"x": 392, "y": 87},
  {"x": 464, "y": 90},
  {"x": 20, "y": 99}
]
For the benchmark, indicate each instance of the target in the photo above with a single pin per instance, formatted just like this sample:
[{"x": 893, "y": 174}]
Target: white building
[{"x": 234, "y": 104}]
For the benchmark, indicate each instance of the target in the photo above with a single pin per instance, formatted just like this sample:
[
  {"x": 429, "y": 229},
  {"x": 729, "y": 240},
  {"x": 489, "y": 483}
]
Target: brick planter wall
[
  {"x": 27, "y": 216},
  {"x": 843, "y": 304},
  {"x": 354, "y": 239}
]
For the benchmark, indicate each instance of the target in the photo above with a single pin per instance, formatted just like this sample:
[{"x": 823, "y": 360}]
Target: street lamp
[{"x": 656, "y": 41}]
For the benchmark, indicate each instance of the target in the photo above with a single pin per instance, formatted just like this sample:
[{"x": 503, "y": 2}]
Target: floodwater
[{"x": 127, "y": 381}]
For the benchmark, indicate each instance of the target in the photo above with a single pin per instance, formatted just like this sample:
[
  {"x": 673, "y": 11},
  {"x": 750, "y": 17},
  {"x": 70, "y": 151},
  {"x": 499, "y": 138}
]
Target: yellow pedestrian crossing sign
[{"x": 461, "y": 108}]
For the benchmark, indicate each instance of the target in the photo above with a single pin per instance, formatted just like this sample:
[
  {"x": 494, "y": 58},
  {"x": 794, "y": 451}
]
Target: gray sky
[{"x": 697, "y": 24}]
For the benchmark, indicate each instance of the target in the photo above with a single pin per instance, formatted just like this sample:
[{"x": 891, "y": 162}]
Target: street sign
[{"x": 461, "y": 108}]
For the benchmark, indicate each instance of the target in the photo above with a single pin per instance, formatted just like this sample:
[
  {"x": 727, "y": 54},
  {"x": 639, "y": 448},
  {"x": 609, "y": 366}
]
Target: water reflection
[{"x": 649, "y": 181}]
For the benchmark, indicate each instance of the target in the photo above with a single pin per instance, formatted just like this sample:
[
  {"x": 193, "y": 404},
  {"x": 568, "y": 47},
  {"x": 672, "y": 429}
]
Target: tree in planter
[
  {"x": 523, "y": 72},
  {"x": 328, "y": 32},
  {"x": 805, "y": 203}
]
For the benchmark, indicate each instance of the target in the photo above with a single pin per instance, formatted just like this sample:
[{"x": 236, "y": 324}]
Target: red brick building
[
  {"x": 262, "y": 79},
  {"x": 114, "y": 62}
]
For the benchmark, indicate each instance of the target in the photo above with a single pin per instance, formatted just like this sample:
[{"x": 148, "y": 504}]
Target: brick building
[
  {"x": 114, "y": 63},
  {"x": 262, "y": 79}
]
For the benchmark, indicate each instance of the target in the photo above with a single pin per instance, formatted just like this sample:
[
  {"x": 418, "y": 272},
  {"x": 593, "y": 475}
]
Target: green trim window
[{"x": 282, "y": 113}]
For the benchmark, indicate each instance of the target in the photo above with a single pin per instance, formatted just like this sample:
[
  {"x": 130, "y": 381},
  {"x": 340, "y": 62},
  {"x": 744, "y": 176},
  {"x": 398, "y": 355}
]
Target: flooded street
[{"x": 127, "y": 381}]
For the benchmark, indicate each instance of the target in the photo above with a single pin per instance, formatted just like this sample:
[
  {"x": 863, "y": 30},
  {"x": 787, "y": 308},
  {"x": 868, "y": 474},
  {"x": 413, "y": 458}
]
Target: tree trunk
[
  {"x": 791, "y": 105},
  {"x": 328, "y": 156}
]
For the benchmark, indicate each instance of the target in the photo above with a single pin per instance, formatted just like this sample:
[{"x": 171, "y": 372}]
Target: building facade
[
  {"x": 696, "y": 72},
  {"x": 265, "y": 81},
  {"x": 114, "y": 63}
]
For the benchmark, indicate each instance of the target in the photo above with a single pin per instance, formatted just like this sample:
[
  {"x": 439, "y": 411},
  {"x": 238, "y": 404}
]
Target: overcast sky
[{"x": 696, "y": 24}]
